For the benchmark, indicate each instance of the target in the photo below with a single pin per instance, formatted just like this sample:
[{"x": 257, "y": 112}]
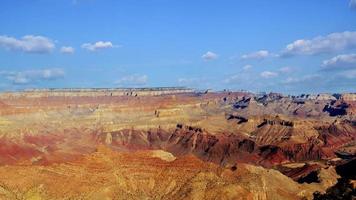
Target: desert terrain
[{"x": 175, "y": 143}]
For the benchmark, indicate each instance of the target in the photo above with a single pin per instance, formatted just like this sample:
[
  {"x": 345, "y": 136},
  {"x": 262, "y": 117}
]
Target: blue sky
[{"x": 289, "y": 46}]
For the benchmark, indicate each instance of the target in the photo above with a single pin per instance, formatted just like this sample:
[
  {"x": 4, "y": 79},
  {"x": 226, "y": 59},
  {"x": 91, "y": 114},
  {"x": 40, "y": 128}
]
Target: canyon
[{"x": 174, "y": 143}]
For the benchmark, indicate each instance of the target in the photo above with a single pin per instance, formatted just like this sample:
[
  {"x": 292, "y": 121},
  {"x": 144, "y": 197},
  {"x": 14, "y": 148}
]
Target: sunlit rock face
[{"x": 172, "y": 143}]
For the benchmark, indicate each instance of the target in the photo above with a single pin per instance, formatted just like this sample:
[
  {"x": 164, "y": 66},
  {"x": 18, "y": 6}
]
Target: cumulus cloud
[
  {"x": 322, "y": 44},
  {"x": 352, "y": 4},
  {"x": 268, "y": 74},
  {"x": 258, "y": 55},
  {"x": 67, "y": 50},
  {"x": 133, "y": 80},
  {"x": 31, "y": 76},
  {"x": 28, "y": 44},
  {"x": 97, "y": 46},
  {"x": 344, "y": 61},
  {"x": 209, "y": 56}
]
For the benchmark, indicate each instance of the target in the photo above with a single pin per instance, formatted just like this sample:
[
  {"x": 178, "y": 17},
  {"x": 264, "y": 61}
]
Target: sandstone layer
[{"x": 172, "y": 143}]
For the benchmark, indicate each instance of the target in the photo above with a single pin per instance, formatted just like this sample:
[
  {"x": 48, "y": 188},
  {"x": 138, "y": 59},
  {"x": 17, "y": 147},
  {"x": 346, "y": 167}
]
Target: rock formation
[{"x": 172, "y": 143}]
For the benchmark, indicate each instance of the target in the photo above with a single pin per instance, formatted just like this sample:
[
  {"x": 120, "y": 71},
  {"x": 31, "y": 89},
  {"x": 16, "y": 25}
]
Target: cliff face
[
  {"x": 265, "y": 149},
  {"x": 46, "y": 130}
]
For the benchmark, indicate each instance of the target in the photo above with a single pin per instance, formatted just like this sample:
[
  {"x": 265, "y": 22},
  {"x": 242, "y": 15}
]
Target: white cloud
[
  {"x": 30, "y": 76},
  {"x": 209, "y": 56},
  {"x": 67, "y": 50},
  {"x": 246, "y": 67},
  {"x": 97, "y": 46},
  {"x": 268, "y": 74},
  {"x": 352, "y": 4},
  {"x": 28, "y": 44},
  {"x": 322, "y": 44},
  {"x": 133, "y": 80},
  {"x": 345, "y": 61},
  {"x": 258, "y": 55}
]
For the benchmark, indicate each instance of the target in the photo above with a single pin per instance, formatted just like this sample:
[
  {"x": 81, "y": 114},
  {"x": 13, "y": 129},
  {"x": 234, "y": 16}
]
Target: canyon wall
[{"x": 237, "y": 133}]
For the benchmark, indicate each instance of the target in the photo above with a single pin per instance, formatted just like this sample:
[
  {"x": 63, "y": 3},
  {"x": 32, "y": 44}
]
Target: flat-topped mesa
[{"x": 96, "y": 92}]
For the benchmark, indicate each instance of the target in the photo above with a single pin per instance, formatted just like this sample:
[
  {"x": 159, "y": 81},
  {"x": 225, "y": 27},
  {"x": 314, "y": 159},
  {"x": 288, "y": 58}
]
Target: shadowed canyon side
[{"x": 173, "y": 143}]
